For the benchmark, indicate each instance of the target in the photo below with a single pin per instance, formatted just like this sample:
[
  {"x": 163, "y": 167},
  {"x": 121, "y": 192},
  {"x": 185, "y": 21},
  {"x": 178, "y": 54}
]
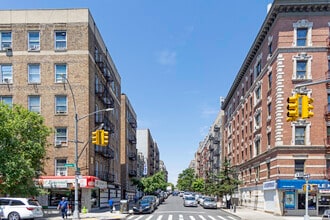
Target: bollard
[{"x": 234, "y": 207}]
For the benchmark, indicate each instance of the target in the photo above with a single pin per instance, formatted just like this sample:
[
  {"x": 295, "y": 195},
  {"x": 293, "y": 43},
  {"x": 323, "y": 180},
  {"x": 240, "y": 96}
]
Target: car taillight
[{"x": 30, "y": 208}]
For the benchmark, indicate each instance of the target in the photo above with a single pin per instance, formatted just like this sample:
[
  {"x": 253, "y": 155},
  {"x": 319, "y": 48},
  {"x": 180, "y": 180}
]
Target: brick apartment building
[
  {"x": 128, "y": 151},
  {"x": 55, "y": 62},
  {"x": 273, "y": 157}
]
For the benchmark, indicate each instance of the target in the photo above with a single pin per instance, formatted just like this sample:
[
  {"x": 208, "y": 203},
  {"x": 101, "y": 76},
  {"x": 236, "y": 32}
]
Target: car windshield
[
  {"x": 327, "y": 212},
  {"x": 144, "y": 201},
  {"x": 209, "y": 200},
  {"x": 190, "y": 198}
]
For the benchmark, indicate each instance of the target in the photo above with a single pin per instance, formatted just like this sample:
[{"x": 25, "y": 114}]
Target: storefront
[
  {"x": 63, "y": 186},
  {"x": 294, "y": 196}
]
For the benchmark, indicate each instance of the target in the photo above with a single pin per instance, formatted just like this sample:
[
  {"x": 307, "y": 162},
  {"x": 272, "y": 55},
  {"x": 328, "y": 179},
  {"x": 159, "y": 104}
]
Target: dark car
[
  {"x": 152, "y": 199},
  {"x": 143, "y": 206}
]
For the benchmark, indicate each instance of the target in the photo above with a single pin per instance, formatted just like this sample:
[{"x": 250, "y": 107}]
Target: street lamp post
[
  {"x": 306, "y": 216},
  {"x": 77, "y": 170}
]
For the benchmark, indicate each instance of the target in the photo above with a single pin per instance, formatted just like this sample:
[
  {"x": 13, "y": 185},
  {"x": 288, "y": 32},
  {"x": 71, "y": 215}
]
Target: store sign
[
  {"x": 270, "y": 185},
  {"x": 101, "y": 184}
]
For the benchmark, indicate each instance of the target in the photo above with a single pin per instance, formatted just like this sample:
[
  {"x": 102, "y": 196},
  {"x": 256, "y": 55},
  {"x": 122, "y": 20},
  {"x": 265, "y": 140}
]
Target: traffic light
[
  {"x": 293, "y": 108},
  {"x": 96, "y": 137},
  {"x": 306, "y": 107},
  {"x": 105, "y": 139}
]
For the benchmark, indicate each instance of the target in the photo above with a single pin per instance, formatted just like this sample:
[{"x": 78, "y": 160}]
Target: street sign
[{"x": 69, "y": 165}]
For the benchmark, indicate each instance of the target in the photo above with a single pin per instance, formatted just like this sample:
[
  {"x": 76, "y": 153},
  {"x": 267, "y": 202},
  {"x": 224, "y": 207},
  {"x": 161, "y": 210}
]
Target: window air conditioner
[{"x": 299, "y": 175}]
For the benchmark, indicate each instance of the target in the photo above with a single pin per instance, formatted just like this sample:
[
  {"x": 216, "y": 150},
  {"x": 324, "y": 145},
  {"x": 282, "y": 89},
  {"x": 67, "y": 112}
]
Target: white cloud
[{"x": 167, "y": 57}]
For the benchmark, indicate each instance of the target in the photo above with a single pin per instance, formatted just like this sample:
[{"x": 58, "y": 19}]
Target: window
[
  {"x": 302, "y": 37},
  {"x": 257, "y": 119},
  {"x": 300, "y": 135},
  {"x": 257, "y": 147},
  {"x": 34, "y": 40},
  {"x": 60, "y": 137},
  {"x": 270, "y": 78},
  {"x": 270, "y": 48},
  {"x": 34, "y": 103},
  {"x": 60, "y": 40},
  {"x": 258, "y": 94},
  {"x": 268, "y": 170},
  {"x": 61, "y": 169},
  {"x": 6, "y": 73},
  {"x": 257, "y": 173},
  {"x": 60, "y": 104},
  {"x": 302, "y": 33},
  {"x": 34, "y": 73},
  {"x": 60, "y": 72},
  {"x": 268, "y": 138},
  {"x": 5, "y": 39},
  {"x": 299, "y": 166},
  {"x": 301, "y": 69},
  {"x": 258, "y": 68},
  {"x": 269, "y": 109},
  {"x": 8, "y": 100}
]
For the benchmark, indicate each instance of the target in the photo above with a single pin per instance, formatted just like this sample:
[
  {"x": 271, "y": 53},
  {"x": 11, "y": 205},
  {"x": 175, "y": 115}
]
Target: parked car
[
  {"x": 20, "y": 208},
  {"x": 143, "y": 206},
  {"x": 190, "y": 201},
  {"x": 209, "y": 203},
  {"x": 153, "y": 199},
  {"x": 326, "y": 214}
]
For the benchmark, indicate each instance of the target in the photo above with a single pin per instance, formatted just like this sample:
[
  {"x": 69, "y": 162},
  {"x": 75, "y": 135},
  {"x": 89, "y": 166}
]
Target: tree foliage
[
  {"x": 154, "y": 183},
  {"x": 23, "y": 139},
  {"x": 198, "y": 185},
  {"x": 227, "y": 179},
  {"x": 186, "y": 179}
]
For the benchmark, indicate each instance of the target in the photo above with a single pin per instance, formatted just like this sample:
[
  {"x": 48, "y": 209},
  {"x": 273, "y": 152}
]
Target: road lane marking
[
  {"x": 202, "y": 217},
  {"x": 160, "y": 217},
  {"x": 149, "y": 217},
  {"x": 192, "y": 217},
  {"x": 211, "y": 217}
]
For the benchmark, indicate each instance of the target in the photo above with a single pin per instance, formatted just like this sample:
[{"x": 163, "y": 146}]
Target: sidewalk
[
  {"x": 250, "y": 214},
  {"x": 101, "y": 214}
]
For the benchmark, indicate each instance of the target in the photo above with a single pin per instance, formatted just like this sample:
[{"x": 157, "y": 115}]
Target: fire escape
[
  {"x": 327, "y": 106},
  {"x": 104, "y": 95}
]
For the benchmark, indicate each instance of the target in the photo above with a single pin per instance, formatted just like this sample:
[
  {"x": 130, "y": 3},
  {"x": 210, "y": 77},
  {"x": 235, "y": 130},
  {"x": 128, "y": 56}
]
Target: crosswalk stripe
[
  {"x": 211, "y": 217},
  {"x": 149, "y": 217},
  {"x": 181, "y": 217},
  {"x": 160, "y": 217},
  {"x": 202, "y": 217},
  {"x": 192, "y": 217},
  {"x": 170, "y": 217},
  {"x": 221, "y": 217},
  {"x": 231, "y": 217}
]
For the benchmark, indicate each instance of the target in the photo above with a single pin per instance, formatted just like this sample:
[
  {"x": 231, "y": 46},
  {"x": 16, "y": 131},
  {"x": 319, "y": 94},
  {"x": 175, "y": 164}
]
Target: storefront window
[
  {"x": 95, "y": 198},
  {"x": 311, "y": 201}
]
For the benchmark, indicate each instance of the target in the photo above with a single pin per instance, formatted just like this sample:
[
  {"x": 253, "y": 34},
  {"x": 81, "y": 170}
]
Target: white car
[{"x": 20, "y": 208}]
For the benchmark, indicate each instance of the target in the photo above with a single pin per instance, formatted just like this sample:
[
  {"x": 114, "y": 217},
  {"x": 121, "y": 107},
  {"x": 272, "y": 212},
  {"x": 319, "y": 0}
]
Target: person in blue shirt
[
  {"x": 63, "y": 207},
  {"x": 111, "y": 204}
]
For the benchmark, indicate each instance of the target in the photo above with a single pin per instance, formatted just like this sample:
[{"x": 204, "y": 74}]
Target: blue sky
[{"x": 176, "y": 58}]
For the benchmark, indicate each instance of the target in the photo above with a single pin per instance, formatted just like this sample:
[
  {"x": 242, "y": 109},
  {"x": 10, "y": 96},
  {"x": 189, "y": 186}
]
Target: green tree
[
  {"x": 198, "y": 185},
  {"x": 23, "y": 138},
  {"x": 153, "y": 183},
  {"x": 185, "y": 179},
  {"x": 227, "y": 180}
]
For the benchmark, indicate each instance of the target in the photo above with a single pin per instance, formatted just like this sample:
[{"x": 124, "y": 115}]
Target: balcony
[
  {"x": 132, "y": 173},
  {"x": 132, "y": 139},
  {"x": 106, "y": 176},
  {"x": 132, "y": 156},
  {"x": 216, "y": 128},
  {"x": 132, "y": 122},
  {"x": 106, "y": 152}
]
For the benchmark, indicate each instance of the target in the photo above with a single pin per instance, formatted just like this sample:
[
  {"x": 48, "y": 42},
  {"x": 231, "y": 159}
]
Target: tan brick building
[
  {"x": 272, "y": 156},
  {"x": 55, "y": 62},
  {"x": 128, "y": 151}
]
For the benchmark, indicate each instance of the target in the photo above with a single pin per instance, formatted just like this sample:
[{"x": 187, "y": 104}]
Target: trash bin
[{"x": 123, "y": 206}]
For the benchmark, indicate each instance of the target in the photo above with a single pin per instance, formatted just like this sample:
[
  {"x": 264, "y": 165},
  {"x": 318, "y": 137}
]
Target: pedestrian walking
[
  {"x": 111, "y": 204},
  {"x": 63, "y": 207}
]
